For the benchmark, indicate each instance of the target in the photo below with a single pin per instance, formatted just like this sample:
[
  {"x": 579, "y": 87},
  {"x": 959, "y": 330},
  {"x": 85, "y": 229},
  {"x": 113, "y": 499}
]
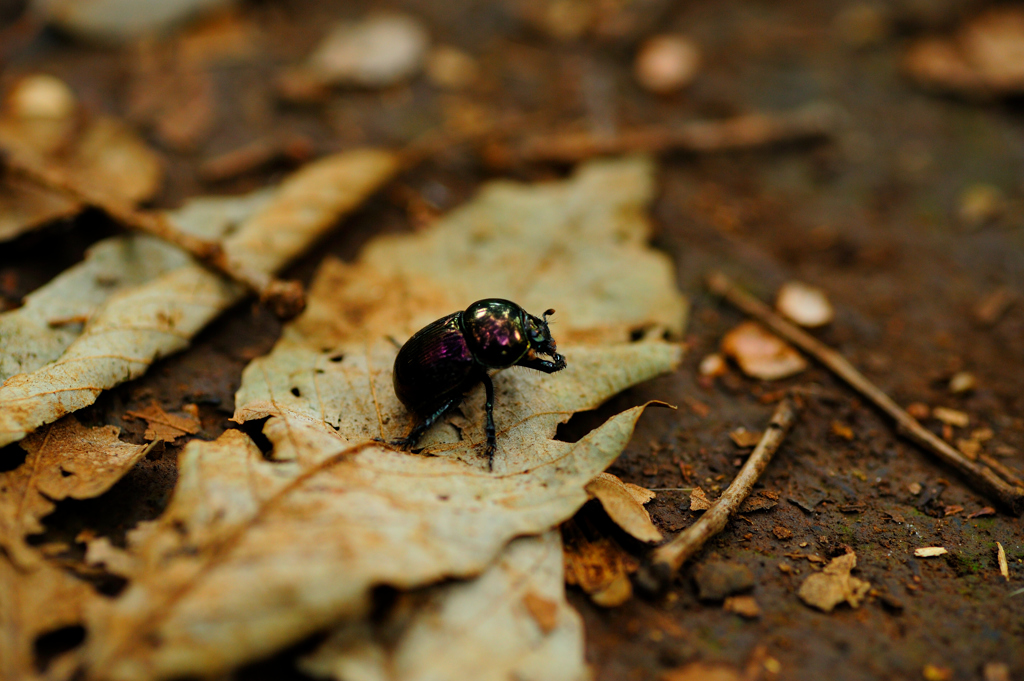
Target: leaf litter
[
  {"x": 257, "y": 551},
  {"x": 123, "y": 327},
  {"x": 64, "y": 460}
]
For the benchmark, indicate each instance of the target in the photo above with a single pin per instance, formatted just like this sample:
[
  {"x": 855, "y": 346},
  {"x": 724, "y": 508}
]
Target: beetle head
[{"x": 540, "y": 335}]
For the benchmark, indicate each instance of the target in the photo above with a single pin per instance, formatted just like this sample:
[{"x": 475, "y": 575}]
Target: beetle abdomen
[{"x": 433, "y": 366}]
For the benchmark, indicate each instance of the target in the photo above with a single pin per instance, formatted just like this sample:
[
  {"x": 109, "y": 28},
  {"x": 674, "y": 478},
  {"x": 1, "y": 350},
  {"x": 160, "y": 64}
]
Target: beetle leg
[
  {"x": 532, "y": 361},
  {"x": 492, "y": 440},
  {"x": 414, "y": 435}
]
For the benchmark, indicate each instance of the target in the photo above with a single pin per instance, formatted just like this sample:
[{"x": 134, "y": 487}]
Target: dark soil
[{"x": 870, "y": 216}]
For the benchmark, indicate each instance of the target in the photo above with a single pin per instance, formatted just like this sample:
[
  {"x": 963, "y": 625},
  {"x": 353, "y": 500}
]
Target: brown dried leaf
[
  {"x": 41, "y": 119},
  {"x": 598, "y": 565},
  {"x": 247, "y": 557},
  {"x": 761, "y": 354},
  {"x": 130, "y": 329},
  {"x": 164, "y": 426},
  {"x": 699, "y": 500},
  {"x": 834, "y": 584},
  {"x": 985, "y": 58},
  {"x": 65, "y": 460},
  {"x": 510, "y": 622},
  {"x": 743, "y": 438},
  {"x": 624, "y": 505}
]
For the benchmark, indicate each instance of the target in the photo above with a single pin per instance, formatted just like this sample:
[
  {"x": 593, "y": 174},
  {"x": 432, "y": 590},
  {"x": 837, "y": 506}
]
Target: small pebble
[
  {"x": 41, "y": 97},
  {"x": 962, "y": 382},
  {"x": 919, "y": 410},
  {"x": 806, "y": 305},
  {"x": 667, "y": 63},
  {"x": 713, "y": 365},
  {"x": 378, "y": 51}
]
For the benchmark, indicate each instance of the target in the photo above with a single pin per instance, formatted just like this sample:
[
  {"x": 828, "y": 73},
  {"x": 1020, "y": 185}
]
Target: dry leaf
[
  {"x": 164, "y": 426},
  {"x": 761, "y": 354},
  {"x": 157, "y": 317},
  {"x": 598, "y": 565},
  {"x": 64, "y": 460},
  {"x": 377, "y": 51},
  {"x": 744, "y": 606},
  {"x": 36, "y": 601},
  {"x": 743, "y": 438},
  {"x": 510, "y": 622},
  {"x": 247, "y": 557},
  {"x": 699, "y": 500},
  {"x": 114, "y": 21},
  {"x": 834, "y": 584},
  {"x": 985, "y": 58},
  {"x": 624, "y": 504},
  {"x": 41, "y": 119}
]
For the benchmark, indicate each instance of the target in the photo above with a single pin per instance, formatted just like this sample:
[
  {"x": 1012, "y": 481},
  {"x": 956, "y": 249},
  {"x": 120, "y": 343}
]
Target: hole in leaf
[
  {"x": 295, "y": 391},
  {"x": 54, "y": 643},
  {"x": 254, "y": 429},
  {"x": 336, "y": 358}
]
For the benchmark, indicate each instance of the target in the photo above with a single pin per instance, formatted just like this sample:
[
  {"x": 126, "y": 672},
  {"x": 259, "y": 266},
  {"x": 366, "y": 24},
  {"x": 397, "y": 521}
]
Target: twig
[
  {"x": 667, "y": 559},
  {"x": 285, "y": 298},
  {"x": 986, "y": 480},
  {"x": 731, "y": 134}
]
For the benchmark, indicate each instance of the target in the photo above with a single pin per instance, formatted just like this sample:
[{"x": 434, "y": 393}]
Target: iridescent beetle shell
[{"x": 447, "y": 358}]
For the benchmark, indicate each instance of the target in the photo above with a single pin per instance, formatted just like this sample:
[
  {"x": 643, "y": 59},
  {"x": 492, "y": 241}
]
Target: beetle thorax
[{"x": 495, "y": 332}]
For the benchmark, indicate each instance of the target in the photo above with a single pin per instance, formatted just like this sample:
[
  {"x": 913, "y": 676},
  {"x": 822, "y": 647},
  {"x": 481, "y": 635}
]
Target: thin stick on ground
[
  {"x": 749, "y": 131},
  {"x": 285, "y": 298},
  {"x": 667, "y": 559},
  {"x": 984, "y": 478}
]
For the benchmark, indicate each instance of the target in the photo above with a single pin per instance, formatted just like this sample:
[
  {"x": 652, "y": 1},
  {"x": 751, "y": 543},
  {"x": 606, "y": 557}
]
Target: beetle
[{"x": 445, "y": 359}]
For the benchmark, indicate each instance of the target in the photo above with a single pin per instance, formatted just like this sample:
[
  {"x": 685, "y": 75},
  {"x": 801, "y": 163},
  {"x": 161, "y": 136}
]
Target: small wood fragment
[
  {"x": 666, "y": 560},
  {"x": 749, "y": 131},
  {"x": 1004, "y": 568},
  {"x": 930, "y": 551},
  {"x": 1008, "y": 494}
]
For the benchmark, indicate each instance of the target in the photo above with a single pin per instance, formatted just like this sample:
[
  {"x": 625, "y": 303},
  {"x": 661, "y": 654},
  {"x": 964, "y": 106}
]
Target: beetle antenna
[{"x": 547, "y": 313}]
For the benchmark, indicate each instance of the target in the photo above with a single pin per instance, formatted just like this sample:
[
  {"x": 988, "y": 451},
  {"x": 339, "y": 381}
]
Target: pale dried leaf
[
  {"x": 377, "y": 51},
  {"x": 268, "y": 539},
  {"x": 623, "y": 507},
  {"x": 142, "y": 323},
  {"x": 164, "y": 426},
  {"x": 25, "y": 206},
  {"x": 834, "y": 585},
  {"x": 761, "y": 354},
  {"x": 53, "y": 316},
  {"x": 112, "y": 21},
  {"x": 247, "y": 557},
  {"x": 510, "y": 622}
]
